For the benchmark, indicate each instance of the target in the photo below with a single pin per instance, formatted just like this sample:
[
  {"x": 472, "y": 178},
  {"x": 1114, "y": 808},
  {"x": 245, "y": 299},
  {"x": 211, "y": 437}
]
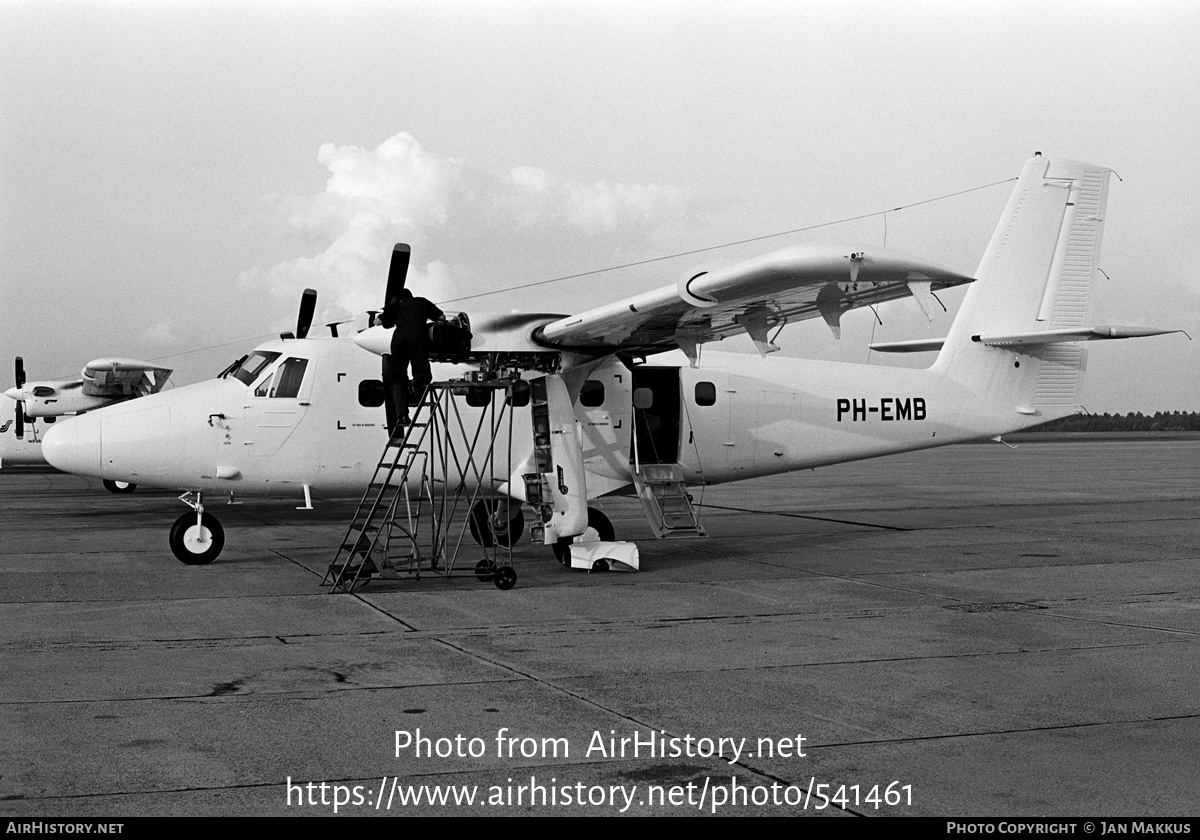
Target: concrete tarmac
[{"x": 971, "y": 631}]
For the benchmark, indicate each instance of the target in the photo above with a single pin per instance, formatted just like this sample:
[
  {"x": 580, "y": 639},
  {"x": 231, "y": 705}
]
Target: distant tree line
[{"x": 1160, "y": 421}]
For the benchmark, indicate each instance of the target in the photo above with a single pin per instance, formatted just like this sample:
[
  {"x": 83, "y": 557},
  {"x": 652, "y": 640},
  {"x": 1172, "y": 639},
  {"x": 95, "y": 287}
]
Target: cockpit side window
[
  {"x": 265, "y": 388},
  {"x": 253, "y": 365},
  {"x": 288, "y": 378}
]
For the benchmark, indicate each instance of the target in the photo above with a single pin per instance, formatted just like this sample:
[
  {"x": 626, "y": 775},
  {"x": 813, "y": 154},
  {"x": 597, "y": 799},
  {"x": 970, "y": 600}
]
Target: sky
[{"x": 174, "y": 174}]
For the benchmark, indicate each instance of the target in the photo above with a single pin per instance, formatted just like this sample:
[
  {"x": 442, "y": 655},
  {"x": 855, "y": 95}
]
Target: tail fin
[{"x": 1035, "y": 277}]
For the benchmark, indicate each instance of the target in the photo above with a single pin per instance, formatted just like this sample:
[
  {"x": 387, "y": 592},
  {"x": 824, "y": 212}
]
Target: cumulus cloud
[
  {"x": 471, "y": 231},
  {"x": 539, "y": 200},
  {"x": 160, "y": 335}
]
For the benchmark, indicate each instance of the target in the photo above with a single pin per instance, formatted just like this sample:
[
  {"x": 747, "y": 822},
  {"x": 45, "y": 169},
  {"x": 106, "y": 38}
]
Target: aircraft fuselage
[{"x": 735, "y": 417}]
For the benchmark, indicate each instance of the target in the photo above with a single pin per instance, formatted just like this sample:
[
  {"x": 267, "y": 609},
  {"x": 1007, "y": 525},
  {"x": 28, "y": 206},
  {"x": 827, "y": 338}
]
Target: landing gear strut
[
  {"x": 196, "y": 538},
  {"x": 599, "y": 528}
]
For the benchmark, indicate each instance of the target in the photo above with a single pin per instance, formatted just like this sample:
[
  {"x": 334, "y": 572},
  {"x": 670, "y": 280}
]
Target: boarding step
[{"x": 665, "y": 500}]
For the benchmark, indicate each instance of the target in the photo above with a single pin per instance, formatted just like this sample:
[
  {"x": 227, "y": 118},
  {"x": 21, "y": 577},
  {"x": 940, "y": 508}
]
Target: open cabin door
[
  {"x": 656, "y": 415},
  {"x": 604, "y": 409},
  {"x": 657, "y": 473}
]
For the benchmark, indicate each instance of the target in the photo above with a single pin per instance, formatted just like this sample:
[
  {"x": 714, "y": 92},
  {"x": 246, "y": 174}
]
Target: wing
[
  {"x": 123, "y": 378},
  {"x": 754, "y": 296}
]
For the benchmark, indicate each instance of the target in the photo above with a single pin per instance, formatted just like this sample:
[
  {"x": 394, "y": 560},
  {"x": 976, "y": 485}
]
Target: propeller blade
[
  {"x": 20, "y": 372},
  {"x": 21, "y": 419},
  {"x": 397, "y": 272},
  {"x": 308, "y": 305}
]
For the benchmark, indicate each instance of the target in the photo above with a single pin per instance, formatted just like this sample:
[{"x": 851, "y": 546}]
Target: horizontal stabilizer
[
  {"x": 930, "y": 345},
  {"x": 1066, "y": 335},
  {"x": 920, "y": 345}
]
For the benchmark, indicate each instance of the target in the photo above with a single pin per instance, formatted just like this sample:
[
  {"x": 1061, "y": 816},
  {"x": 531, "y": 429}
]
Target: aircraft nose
[{"x": 67, "y": 446}]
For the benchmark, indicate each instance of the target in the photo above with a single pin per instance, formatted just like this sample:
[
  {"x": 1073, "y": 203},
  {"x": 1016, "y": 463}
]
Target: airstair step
[{"x": 666, "y": 501}]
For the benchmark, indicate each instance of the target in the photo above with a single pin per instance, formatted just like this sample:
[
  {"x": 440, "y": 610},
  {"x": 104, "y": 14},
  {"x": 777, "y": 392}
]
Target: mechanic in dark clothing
[{"x": 410, "y": 344}]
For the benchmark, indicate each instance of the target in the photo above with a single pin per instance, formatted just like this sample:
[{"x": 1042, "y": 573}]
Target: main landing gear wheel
[
  {"x": 599, "y": 528},
  {"x": 496, "y": 522},
  {"x": 197, "y": 544},
  {"x": 506, "y": 577},
  {"x": 119, "y": 486}
]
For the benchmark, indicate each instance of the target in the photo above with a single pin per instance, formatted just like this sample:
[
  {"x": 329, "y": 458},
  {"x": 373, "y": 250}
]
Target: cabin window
[
  {"x": 592, "y": 394},
  {"x": 706, "y": 393},
  {"x": 370, "y": 393},
  {"x": 288, "y": 378}
]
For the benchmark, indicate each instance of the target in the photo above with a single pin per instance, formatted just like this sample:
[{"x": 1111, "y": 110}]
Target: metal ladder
[{"x": 375, "y": 517}]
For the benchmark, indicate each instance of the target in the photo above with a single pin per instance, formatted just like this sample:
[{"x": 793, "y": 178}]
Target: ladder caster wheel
[
  {"x": 506, "y": 577},
  {"x": 485, "y": 571}
]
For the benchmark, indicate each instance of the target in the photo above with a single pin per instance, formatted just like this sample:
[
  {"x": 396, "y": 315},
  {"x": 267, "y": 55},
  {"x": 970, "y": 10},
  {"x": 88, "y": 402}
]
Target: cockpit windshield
[{"x": 247, "y": 369}]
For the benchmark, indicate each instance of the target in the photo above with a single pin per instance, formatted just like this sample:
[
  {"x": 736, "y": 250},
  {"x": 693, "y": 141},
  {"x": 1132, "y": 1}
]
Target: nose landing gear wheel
[{"x": 197, "y": 544}]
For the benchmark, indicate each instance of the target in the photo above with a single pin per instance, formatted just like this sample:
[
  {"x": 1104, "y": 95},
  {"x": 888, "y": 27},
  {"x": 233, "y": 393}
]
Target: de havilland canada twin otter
[
  {"x": 101, "y": 382},
  {"x": 305, "y": 415}
]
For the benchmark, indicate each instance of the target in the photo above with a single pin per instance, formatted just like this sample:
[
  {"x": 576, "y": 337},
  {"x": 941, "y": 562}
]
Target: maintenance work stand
[{"x": 436, "y": 480}]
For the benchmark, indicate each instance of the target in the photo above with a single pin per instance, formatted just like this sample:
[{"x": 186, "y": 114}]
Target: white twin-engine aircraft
[
  {"x": 102, "y": 382},
  {"x": 302, "y": 414}
]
